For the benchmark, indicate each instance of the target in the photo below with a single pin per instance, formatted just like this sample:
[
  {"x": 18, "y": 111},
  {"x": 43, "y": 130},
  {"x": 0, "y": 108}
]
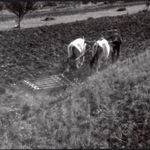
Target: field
[
  {"x": 109, "y": 109},
  {"x": 29, "y": 53}
]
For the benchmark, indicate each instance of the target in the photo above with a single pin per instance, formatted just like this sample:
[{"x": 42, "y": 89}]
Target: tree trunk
[
  {"x": 19, "y": 22},
  {"x": 147, "y": 5}
]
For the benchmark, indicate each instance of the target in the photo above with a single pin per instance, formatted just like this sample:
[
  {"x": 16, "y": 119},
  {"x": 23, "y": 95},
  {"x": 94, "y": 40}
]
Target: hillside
[{"x": 110, "y": 109}]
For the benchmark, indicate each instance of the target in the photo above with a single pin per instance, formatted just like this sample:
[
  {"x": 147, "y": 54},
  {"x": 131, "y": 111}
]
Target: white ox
[
  {"x": 76, "y": 50},
  {"x": 101, "y": 48}
]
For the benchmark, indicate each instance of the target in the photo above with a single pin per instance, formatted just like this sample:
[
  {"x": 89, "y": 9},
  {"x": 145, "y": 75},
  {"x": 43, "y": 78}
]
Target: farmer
[
  {"x": 116, "y": 42},
  {"x": 101, "y": 48},
  {"x": 76, "y": 50}
]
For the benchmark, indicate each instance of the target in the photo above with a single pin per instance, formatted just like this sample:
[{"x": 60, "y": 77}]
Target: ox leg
[
  {"x": 118, "y": 51},
  {"x": 95, "y": 59},
  {"x": 68, "y": 64},
  {"x": 99, "y": 60},
  {"x": 82, "y": 60},
  {"x": 98, "y": 66},
  {"x": 78, "y": 64},
  {"x": 113, "y": 55}
]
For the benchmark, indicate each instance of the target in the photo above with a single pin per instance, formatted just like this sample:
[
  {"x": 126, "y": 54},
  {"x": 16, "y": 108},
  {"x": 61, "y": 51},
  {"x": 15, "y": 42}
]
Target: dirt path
[{"x": 37, "y": 22}]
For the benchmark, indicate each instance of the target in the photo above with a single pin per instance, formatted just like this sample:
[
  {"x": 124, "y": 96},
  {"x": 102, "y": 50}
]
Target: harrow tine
[
  {"x": 31, "y": 85},
  {"x": 49, "y": 85},
  {"x": 48, "y": 79},
  {"x": 50, "y": 82},
  {"x": 67, "y": 79},
  {"x": 46, "y": 87},
  {"x": 41, "y": 82},
  {"x": 63, "y": 82},
  {"x": 52, "y": 78}
]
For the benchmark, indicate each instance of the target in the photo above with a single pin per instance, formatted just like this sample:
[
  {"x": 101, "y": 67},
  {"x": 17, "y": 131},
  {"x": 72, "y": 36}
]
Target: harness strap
[{"x": 79, "y": 56}]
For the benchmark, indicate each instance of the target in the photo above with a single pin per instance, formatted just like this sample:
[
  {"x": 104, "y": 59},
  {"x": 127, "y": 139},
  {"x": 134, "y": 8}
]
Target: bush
[
  {"x": 121, "y": 9},
  {"x": 20, "y": 8}
]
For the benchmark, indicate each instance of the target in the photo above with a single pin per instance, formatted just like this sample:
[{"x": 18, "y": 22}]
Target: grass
[{"x": 110, "y": 109}]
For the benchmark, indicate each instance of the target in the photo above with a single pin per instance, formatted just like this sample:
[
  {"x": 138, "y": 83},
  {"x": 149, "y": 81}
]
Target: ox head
[{"x": 94, "y": 48}]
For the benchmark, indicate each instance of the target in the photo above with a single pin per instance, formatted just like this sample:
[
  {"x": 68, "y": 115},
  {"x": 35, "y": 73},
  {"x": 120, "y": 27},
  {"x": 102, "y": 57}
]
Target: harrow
[{"x": 53, "y": 81}]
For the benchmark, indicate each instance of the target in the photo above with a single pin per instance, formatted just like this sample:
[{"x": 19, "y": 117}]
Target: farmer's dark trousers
[{"x": 116, "y": 52}]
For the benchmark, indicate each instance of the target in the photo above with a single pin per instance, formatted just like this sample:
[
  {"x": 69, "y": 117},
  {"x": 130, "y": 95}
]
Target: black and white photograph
[{"x": 74, "y": 74}]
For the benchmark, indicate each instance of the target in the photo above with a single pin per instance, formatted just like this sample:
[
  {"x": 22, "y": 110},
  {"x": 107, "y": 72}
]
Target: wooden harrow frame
[{"x": 53, "y": 81}]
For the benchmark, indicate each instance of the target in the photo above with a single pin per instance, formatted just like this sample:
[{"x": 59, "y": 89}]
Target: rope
[
  {"x": 80, "y": 56},
  {"x": 72, "y": 83}
]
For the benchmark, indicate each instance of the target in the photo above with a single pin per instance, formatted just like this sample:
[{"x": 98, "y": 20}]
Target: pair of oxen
[{"x": 101, "y": 48}]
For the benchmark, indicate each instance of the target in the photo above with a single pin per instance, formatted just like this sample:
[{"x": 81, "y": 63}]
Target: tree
[
  {"x": 1, "y": 8},
  {"x": 20, "y": 8},
  {"x": 50, "y": 3},
  {"x": 147, "y": 4}
]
